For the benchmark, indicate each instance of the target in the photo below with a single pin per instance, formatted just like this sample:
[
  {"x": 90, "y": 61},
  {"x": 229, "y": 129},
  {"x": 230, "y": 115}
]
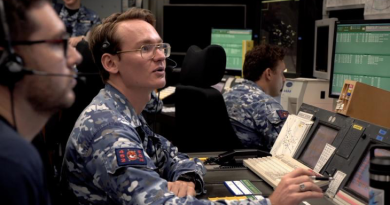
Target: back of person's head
[
  {"x": 19, "y": 24},
  {"x": 259, "y": 59},
  {"x": 103, "y": 38}
]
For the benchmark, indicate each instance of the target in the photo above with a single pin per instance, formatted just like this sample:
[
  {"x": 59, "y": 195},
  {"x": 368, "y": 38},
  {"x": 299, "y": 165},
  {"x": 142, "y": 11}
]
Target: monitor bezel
[
  {"x": 330, "y": 23},
  {"x": 163, "y": 34},
  {"x": 310, "y": 136},
  {"x": 331, "y": 94},
  {"x": 355, "y": 169}
]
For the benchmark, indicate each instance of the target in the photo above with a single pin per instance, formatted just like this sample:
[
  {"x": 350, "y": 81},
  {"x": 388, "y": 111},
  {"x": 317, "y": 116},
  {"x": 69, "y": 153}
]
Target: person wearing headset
[
  {"x": 36, "y": 80},
  {"x": 113, "y": 157},
  {"x": 255, "y": 115}
]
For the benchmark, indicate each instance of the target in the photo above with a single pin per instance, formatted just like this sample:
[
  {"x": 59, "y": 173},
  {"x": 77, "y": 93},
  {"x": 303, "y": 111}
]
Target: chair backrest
[{"x": 202, "y": 120}]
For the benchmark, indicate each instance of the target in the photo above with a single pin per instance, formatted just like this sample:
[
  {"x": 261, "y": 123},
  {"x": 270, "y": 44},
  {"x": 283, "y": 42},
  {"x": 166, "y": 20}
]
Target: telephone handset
[{"x": 236, "y": 157}]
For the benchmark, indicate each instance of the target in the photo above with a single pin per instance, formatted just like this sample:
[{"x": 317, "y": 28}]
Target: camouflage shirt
[
  {"x": 80, "y": 22},
  {"x": 256, "y": 117},
  {"x": 155, "y": 105},
  {"x": 113, "y": 157}
]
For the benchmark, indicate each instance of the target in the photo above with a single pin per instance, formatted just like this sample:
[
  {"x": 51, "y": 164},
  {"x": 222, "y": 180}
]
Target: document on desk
[{"x": 290, "y": 137}]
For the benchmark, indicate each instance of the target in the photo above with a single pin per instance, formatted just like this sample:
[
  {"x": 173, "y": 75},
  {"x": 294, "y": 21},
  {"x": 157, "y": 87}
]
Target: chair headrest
[{"x": 203, "y": 68}]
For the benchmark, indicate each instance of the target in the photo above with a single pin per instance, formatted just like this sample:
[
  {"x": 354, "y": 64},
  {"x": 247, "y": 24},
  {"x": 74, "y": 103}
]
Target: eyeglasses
[
  {"x": 149, "y": 51},
  {"x": 63, "y": 42}
]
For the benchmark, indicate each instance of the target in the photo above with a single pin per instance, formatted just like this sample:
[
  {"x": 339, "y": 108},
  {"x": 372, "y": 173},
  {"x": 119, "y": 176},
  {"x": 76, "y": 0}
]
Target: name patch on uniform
[
  {"x": 283, "y": 114},
  {"x": 130, "y": 156}
]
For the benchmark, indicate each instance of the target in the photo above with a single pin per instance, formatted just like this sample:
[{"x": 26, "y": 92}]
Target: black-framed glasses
[
  {"x": 63, "y": 41},
  {"x": 149, "y": 51}
]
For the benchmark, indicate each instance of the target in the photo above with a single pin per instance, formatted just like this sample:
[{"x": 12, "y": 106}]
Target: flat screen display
[
  {"x": 322, "y": 49},
  {"x": 231, "y": 41},
  {"x": 361, "y": 52},
  {"x": 198, "y": 20},
  {"x": 360, "y": 183},
  {"x": 321, "y": 136}
]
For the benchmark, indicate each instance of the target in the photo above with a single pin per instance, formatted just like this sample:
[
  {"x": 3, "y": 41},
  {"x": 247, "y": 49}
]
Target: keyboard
[
  {"x": 272, "y": 169},
  {"x": 167, "y": 92}
]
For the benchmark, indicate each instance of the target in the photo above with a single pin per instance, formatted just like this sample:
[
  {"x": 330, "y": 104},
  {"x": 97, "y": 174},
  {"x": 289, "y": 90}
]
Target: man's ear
[
  {"x": 267, "y": 74},
  {"x": 109, "y": 63}
]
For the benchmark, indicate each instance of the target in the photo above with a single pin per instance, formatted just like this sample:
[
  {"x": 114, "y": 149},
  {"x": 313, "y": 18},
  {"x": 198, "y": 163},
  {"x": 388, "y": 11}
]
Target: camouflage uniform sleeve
[
  {"x": 268, "y": 120},
  {"x": 133, "y": 182},
  {"x": 178, "y": 164}
]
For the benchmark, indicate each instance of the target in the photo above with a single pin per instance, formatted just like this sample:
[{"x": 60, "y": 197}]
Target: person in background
[
  {"x": 113, "y": 157},
  {"x": 36, "y": 80},
  {"x": 255, "y": 115},
  {"x": 77, "y": 18}
]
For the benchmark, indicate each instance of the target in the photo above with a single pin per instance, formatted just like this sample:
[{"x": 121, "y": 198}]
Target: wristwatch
[{"x": 188, "y": 177}]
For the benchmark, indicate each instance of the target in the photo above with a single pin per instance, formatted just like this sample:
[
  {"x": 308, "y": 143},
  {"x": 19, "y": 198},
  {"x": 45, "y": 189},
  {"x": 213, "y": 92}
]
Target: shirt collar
[
  {"x": 252, "y": 84},
  {"x": 124, "y": 106}
]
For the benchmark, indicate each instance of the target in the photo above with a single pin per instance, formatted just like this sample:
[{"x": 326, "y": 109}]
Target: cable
[
  {"x": 11, "y": 91},
  {"x": 173, "y": 62}
]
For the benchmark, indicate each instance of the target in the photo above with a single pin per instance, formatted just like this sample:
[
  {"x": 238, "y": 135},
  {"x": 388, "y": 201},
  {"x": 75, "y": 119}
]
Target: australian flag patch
[
  {"x": 283, "y": 114},
  {"x": 130, "y": 156}
]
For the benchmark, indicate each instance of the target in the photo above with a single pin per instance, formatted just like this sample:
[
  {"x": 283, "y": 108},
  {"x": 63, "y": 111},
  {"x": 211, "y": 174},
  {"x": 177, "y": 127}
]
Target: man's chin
[
  {"x": 69, "y": 100},
  {"x": 161, "y": 84}
]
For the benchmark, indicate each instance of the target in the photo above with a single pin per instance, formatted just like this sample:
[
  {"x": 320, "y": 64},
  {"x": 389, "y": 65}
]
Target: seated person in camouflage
[
  {"x": 112, "y": 156},
  {"x": 77, "y": 18},
  {"x": 255, "y": 115}
]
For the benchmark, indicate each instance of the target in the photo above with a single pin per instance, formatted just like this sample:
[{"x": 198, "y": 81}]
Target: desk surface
[{"x": 215, "y": 178}]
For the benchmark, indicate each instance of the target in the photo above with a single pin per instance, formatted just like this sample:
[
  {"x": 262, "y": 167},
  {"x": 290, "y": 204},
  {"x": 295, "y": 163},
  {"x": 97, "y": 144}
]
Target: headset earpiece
[
  {"x": 105, "y": 46},
  {"x": 11, "y": 70}
]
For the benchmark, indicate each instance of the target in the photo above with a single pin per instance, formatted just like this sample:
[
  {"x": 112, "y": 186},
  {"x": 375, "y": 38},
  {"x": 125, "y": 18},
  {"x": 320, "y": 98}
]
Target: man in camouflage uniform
[
  {"x": 112, "y": 156},
  {"x": 254, "y": 113},
  {"x": 77, "y": 18}
]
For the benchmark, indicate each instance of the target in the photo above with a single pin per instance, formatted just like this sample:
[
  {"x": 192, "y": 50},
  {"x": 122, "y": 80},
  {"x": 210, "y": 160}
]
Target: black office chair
[{"x": 201, "y": 117}]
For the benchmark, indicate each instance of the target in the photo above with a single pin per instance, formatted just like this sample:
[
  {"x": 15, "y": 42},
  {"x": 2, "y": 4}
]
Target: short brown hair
[
  {"x": 103, "y": 38},
  {"x": 259, "y": 59},
  {"x": 19, "y": 24}
]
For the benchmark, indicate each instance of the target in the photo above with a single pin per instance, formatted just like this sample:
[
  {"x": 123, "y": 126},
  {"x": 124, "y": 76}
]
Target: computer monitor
[
  {"x": 231, "y": 40},
  {"x": 361, "y": 52},
  {"x": 198, "y": 20},
  {"x": 323, "y": 134},
  {"x": 323, "y": 47},
  {"x": 359, "y": 182}
]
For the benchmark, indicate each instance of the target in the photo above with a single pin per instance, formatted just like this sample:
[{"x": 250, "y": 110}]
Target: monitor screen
[
  {"x": 321, "y": 136},
  {"x": 324, "y": 30},
  {"x": 231, "y": 41},
  {"x": 198, "y": 20},
  {"x": 359, "y": 183},
  {"x": 361, "y": 52},
  {"x": 322, "y": 43}
]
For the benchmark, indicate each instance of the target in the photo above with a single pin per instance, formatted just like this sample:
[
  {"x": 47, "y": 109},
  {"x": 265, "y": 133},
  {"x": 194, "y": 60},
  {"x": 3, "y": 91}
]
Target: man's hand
[
  {"x": 295, "y": 187},
  {"x": 182, "y": 188},
  {"x": 73, "y": 41}
]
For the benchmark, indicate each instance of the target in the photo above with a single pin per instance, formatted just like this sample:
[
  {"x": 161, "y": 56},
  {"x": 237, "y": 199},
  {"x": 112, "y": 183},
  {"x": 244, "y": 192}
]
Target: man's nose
[{"x": 74, "y": 57}]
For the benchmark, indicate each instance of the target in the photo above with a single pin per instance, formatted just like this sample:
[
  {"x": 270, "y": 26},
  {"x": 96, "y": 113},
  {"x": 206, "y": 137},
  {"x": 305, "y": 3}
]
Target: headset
[{"x": 105, "y": 46}]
